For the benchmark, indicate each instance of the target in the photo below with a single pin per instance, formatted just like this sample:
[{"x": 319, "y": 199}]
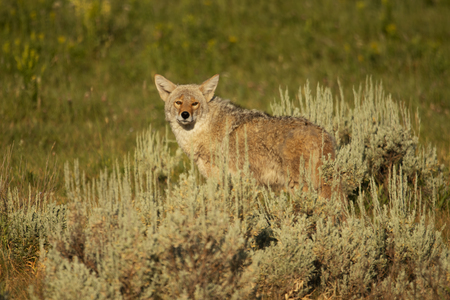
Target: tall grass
[{"x": 27, "y": 216}]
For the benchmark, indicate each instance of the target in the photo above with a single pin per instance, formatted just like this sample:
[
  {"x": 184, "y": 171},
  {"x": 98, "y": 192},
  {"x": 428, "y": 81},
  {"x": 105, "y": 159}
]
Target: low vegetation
[
  {"x": 151, "y": 228},
  {"x": 76, "y": 95}
]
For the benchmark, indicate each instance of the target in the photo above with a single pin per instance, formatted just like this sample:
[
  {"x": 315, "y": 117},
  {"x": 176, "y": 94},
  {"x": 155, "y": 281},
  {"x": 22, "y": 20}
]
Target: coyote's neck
[{"x": 188, "y": 137}]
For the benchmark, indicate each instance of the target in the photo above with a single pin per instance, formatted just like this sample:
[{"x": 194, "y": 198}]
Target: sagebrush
[{"x": 153, "y": 228}]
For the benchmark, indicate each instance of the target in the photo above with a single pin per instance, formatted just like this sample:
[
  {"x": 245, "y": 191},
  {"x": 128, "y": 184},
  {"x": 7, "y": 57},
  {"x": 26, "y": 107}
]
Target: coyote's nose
[{"x": 185, "y": 115}]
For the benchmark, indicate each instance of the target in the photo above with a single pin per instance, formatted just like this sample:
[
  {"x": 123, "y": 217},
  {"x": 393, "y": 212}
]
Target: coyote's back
[{"x": 205, "y": 125}]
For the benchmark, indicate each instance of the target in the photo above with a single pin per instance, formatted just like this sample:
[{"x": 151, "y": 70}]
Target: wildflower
[
  {"x": 391, "y": 29},
  {"x": 232, "y": 39},
  {"x": 6, "y": 47},
  {"x": 211, "y": 44},
  {"x": 375, "y": 48},
  {"x": 360, "y": 4},
  {"x": 346, "y": 47}
]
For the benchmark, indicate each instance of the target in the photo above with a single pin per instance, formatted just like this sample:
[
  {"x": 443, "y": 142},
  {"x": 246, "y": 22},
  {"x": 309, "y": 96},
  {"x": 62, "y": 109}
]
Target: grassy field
[{"x": 76, "y": 76}]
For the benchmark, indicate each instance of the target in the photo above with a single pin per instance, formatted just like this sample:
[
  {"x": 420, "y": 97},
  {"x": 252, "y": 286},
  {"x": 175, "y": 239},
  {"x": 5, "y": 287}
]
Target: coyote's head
[{"x": 186, "y": 103}]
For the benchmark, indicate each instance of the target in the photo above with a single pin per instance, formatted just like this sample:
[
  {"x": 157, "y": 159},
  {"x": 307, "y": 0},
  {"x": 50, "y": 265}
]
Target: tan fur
[{"x": 275, "y": 145}]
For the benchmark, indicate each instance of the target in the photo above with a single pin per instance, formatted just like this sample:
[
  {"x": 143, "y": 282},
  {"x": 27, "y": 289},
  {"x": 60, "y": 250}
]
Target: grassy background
[{"x": 76, "y": 76}]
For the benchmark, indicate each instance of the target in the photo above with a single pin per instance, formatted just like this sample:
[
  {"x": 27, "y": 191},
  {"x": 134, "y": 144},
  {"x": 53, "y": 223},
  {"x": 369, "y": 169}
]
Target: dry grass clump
[{"x": 27, "y": 217}]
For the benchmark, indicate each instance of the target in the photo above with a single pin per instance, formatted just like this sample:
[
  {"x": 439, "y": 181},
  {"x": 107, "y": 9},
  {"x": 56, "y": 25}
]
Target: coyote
[{"x": 274, "y": 146}]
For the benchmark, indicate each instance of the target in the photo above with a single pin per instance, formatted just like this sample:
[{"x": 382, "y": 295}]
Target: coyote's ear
[
  {"x": 164, "y": 86},
  {"x": 209, "y": 86}
]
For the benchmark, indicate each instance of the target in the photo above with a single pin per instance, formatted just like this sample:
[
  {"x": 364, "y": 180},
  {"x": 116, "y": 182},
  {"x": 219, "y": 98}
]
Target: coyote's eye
[
  {"x": 178, "y": 103},
  {"x": 195, "y": 104}
]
